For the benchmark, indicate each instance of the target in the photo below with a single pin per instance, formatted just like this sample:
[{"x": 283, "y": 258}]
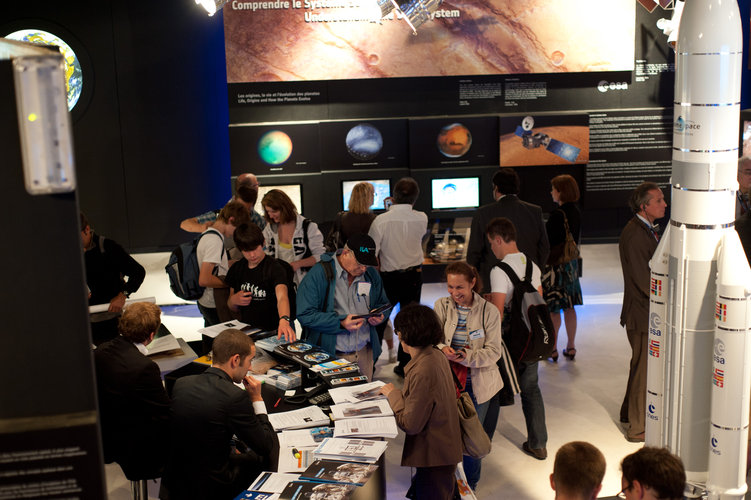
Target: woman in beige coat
[
  {"x": 425, "y": 409},
  {"x": 472, "y": 343}
]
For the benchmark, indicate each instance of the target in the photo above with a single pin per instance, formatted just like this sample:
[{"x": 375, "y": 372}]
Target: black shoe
[
  {"x": 399, "y": 370},
  {"x": 538, "y": 453}
]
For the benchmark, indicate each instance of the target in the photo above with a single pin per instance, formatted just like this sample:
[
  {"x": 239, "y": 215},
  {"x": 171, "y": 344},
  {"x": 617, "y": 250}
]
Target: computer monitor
[
  {"x": 294, "y": 191},
  {"x": 746, "y": 138},
  {"x": 455, "y": 193},
  {"x": 382, "y": 190}
]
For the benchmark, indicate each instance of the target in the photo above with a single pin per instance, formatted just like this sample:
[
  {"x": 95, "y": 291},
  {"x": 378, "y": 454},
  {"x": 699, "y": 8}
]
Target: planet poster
[
  {"x": 73, "y": 73},
  {"x": 536, "y": 140},
  {"x": 470, "y": 141},
  {"x": 312, "y": 40},
  {"x": 363, "y": 145},
  {"x": 279, "y": 149}
]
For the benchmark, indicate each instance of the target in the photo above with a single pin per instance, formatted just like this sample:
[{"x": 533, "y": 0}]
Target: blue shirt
[{"x": 351, "y": 299}]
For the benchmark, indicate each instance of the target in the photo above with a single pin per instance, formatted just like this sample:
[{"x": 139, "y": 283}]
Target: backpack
[
  {"x": 183, "y": 269},
  {"x": 531, "y": 335},
  {"x": 291, "y": 285}
]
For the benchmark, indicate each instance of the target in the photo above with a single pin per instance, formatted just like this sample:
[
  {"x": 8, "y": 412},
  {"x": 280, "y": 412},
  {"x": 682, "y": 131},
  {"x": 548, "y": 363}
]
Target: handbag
[
  {"x": 566, "y": 251},
  {"x": 475, "y": 441}
]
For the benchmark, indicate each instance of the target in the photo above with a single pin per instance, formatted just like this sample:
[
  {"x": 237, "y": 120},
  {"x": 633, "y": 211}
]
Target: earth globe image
[
  {"x": 274, "y": 147},
  {"x": 73, "y": 75},
  {"x": 454, "y": 140},
  {"x": 364, "y": 141}
]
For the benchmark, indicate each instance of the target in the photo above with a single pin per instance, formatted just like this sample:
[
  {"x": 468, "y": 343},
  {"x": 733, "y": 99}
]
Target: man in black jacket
[
  {"x": 531, "y": 237},
  {"x": 207, "y": 410},
  {"x": 107, "y": 264},
  {"x": 133, "y": 405}
]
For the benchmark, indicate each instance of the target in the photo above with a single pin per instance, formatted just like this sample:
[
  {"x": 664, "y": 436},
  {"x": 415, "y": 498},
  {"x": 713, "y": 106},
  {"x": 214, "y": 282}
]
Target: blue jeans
[
  {"x": 473, "y": 466},
  {"x": 532, "y": 405}
]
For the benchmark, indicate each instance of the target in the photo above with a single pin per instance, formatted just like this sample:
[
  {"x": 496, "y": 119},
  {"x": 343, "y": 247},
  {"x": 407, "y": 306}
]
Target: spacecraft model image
[{"x": 531, "y": 140}]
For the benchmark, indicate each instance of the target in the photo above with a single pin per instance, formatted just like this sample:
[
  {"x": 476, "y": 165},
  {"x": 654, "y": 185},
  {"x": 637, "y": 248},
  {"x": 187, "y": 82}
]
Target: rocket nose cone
[{"x": 710, "y": 24}]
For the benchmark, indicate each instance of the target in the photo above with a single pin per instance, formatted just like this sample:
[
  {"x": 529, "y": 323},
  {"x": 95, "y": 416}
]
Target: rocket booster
[{"x": 703, "y": 186}]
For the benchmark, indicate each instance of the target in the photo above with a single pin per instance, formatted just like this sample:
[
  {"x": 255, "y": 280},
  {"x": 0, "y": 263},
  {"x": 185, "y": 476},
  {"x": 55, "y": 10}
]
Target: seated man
[
  {"x": 107, "y": 264},
  {"x": 207, "y": 411},
  {"x": 342, "y": 285},
  {"x": 652, "y": 473},
  {"x": 133, "y": 405},
  {"x": 577, "y": 472},
  {"x": 258, "y": 285}
]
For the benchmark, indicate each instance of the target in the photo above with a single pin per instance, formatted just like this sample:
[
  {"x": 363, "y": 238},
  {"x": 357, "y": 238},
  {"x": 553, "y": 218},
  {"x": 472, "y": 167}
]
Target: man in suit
[
  {"x": 133, "y": 405},
  {"x": 531, "y": 237},
  {"x": 637, "y": 243},
  {"x": 207, "y": 410}
]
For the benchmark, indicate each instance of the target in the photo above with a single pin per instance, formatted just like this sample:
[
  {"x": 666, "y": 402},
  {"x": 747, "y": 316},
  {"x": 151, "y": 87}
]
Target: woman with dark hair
[
  {"x": 425, "y": 409},
  {"x": 560, "y": 281},
  {"x": 288, "y": 235},
  {"x": 357, "y": 219},
  {"x": 472, "y": 344}
]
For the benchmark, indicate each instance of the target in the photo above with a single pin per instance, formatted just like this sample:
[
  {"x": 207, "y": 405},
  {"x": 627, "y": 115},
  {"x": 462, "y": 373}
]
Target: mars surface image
[{"x": 337, "y": 39}]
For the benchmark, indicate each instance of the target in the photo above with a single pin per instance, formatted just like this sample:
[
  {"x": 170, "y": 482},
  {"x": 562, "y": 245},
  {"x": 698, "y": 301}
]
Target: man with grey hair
[{"x": 637, "y": 243}]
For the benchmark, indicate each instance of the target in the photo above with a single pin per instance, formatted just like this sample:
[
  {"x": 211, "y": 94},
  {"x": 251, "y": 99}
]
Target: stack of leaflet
[
  {"x": 303, "y": 490},
  {"x": 310, "y": 416},
  {"x": 214, "y": 330},
  {"x": 335, "y": 471},
  {"x": 357, "y": 393},
  {"x": 358, "y": 450},
  {"x": 267, "y": 486},
  {"x": 366, "y": 427},
  {"x": 296, "y": 447},
  {"x": 270, "y": 343},
  {"x": 364, "y": 409}
]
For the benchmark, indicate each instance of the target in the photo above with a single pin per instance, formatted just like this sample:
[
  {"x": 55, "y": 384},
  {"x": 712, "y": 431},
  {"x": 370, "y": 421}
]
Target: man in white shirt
[
  {"x": 502, "y": 237},
  {"x": 398, "y": 235}
]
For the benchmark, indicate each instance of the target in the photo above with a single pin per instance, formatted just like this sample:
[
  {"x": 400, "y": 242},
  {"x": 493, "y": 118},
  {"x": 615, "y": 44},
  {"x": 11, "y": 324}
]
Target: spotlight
[{"x": 212, "y": 6}]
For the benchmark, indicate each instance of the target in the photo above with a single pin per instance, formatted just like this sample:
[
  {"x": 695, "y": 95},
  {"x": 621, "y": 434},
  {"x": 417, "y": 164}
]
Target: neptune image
[{"x": 364, "y": 142}]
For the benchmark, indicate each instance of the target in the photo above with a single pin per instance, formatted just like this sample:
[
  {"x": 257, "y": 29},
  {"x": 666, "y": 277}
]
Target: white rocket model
[{"x": 699, "y": 342}]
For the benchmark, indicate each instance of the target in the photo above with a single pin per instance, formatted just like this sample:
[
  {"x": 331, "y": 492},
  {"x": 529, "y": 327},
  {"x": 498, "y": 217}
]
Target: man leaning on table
[{"x": 221, "y": 438}]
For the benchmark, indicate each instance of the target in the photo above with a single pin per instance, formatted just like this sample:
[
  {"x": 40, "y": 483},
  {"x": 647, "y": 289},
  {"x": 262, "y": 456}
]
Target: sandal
[
  {"x": 570, "y": 354},
  {"x": 554, "y": 356}
]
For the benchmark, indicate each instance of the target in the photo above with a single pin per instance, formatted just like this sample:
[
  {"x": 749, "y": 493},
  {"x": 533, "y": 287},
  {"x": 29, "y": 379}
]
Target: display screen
[
  {"x": 462, "y": 192},
  {"x": 382, "y": 191},
  {"x": 294, "y": 191},
  {"x": 746, "y": 151}
]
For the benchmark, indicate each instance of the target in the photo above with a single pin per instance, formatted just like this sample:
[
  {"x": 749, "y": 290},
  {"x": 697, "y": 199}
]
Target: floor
[{"x": 582, "y": 397}]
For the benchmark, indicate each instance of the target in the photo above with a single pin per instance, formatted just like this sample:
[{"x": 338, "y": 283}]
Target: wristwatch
[{"x": 286, "y": 317}]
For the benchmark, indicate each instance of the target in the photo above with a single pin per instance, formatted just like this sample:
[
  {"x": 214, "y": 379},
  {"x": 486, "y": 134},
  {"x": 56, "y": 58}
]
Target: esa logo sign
[
  {"x": 651, "y": 412},
  {"x": 604, "y": 86},
  {"x": 715, "y": 446},
  {"x": 719, "y": 352},
  {"x": 655, "y": 324}
]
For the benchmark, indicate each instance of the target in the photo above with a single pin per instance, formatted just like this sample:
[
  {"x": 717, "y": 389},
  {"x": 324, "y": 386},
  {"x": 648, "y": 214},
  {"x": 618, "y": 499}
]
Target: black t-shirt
[{"x": 261, "y": 281}]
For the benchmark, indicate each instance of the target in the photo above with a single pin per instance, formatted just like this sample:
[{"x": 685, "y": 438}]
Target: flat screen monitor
[
  {"x": 382, "y": 191},
  {"x": 294, "y": 191},
  {"x": 455, "y": 193},
  {"x": 746, "y": 147}
]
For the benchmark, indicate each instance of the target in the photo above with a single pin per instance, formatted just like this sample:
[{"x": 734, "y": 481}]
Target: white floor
[{"x": 582, "y": 397}]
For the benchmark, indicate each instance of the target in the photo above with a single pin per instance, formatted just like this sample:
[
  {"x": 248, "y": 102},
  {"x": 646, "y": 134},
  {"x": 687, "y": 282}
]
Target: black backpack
[
  {"x": 531, "y": 334},
  {"x": 183, "y": 269}
]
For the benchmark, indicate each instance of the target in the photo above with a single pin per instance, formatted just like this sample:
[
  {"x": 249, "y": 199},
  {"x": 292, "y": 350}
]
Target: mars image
[
  {"x": 513, "y": 154},
  {"x": 340, "y": 40},
  {"x": 454, "y": 140}
]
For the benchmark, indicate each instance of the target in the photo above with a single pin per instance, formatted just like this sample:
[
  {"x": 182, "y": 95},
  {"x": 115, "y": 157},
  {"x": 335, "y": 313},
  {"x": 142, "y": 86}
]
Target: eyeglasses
[{"x": 622, "y": 494}]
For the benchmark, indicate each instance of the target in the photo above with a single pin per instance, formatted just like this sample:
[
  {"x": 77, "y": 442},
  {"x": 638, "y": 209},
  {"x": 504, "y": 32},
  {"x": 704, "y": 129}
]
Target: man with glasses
[
  {"x": 651, "y": 474},
  {"x": 343, "y": 285}
]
